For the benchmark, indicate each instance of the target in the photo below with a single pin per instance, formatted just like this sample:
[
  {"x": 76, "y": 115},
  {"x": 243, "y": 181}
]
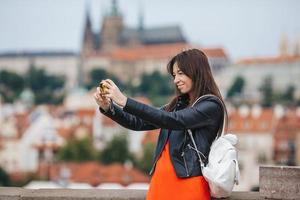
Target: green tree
[
  {"x": 267, "y": 92},
  {"x": 11, "y": 80},
  {"x": 145, "y": 163},
  {"x": 288, "y": 95},
  {"x": 285, "y": 97},
  {"x": 156, "y": 86},
  {"x": 77, "y": 150},
  {"x": 11, "y": 85},
  {"x": 4, "y": 178},
  {"x": 236, "y": 87},
  {"x": 116, "y": 151},
  {"x": 47, "y": 88},
  {"x": 130, "y": 88},
  {"x": 96, "y": 75},
  {"x": 38, "y": 80},
  {"x": 298, "y": 102}
]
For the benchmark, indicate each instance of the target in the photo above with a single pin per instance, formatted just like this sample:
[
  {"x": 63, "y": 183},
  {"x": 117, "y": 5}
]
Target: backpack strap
[
  {"x": 191, "y": 134},
  {"x": 223, "y": 107}
]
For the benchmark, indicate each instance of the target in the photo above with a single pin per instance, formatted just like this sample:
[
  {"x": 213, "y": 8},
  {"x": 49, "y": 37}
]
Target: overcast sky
[{"x": 245, "y": 28}]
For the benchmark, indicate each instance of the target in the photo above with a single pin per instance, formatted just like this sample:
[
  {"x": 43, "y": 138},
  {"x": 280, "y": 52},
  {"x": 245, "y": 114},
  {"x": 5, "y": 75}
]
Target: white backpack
[{"x": 222, "y": 170}]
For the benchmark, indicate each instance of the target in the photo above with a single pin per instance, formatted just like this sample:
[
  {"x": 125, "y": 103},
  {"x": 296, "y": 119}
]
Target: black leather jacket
[{"x": 204, "y": 119}]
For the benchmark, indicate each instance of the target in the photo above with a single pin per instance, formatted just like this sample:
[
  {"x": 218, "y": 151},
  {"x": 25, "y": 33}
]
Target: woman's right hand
[{"x": 102, "y": 101}]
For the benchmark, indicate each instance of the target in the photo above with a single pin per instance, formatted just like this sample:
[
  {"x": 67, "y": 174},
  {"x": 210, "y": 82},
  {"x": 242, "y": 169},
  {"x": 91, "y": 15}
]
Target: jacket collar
[{"x": 182, "y": 102}]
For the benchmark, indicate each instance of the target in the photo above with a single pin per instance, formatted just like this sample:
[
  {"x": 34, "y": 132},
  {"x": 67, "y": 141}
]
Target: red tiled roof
[
  {"x": 289, "y": 124},
  {"x": 85, "y": 112},
  {"x": 65, "y": 132},
  {"x": 158, "y": 51},
  {"x": 68, "y": 133},
  {"x": 214, "y": 52},
  {"x": 95, "y": 173},
  {"x": 148, "y": 52},
  {"x": 286, "y": 131},
  {"x": 269, "y": 60},
  {"x": 240, "y": 124}
]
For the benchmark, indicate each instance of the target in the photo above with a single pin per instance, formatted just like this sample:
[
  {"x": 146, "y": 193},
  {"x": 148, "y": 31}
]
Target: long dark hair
[{"x": 194, "y": 63}]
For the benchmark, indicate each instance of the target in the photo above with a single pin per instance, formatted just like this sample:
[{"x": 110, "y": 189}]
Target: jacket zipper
[
  {"x": 153, "y": 166},
  {"x": 182, "y": 154},
  {"x": 185, "y": 165}
]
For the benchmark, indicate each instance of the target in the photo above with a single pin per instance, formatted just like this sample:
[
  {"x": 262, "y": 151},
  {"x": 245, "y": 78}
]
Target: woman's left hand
[{"x": 114, "y": 93}]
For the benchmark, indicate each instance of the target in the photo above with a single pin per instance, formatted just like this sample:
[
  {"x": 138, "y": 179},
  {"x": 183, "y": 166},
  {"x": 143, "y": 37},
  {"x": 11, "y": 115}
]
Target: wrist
[
  {"x": 103, "y": 109},
  {"x": 123, "y": 102}
]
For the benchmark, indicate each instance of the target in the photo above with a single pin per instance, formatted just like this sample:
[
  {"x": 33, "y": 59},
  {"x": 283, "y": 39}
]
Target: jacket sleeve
[
  {"x": 129, "y": 121},
  {"x": 204, "y": 113}
]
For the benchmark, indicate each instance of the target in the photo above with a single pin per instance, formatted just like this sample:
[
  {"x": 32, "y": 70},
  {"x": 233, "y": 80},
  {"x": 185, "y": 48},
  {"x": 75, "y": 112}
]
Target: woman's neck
[{"x": 191, "y": 97}]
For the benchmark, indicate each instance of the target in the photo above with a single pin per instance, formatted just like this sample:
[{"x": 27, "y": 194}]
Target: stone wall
[
  {"x": 92, "y": 194},
  {"x": 275, "y": 183}
]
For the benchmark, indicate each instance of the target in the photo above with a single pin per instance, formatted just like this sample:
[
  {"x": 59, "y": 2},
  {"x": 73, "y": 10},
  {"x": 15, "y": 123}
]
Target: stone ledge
[
  {"x": 275, "y": 183},
  {"x": 7, "y": 193},
  {"x": 279, "y": 182}
]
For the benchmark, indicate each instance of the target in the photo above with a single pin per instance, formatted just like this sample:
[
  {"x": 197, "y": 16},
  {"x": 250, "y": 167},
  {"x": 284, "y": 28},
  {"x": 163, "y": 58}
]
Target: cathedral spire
[
  {"x": 114, "y": 8},
  {"x": 87, "y": 46},
  {"x": 112, "y": 26},
  {"x": 141, "y": 17},
  {"x": 297, "y": 46},
  {"x": 87, "y": 40},
  {"x": 283, "y": 48},
  {"x": 87, "y": 14}
]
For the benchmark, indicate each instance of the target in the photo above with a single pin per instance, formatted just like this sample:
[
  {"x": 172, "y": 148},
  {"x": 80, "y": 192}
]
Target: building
[
  {"x": 287, "y": 138},
  {"x": 253, "y": 127},
  {"x": 283, "y": 72},
  {"x": 95, "y": 173},
  {"x": 56, "y": 63},
  {"x": 28, "y": 139},
  {"x": 126, "y": 52},
  {"x": 266, "y": 136},
  {"x": 282, "y": 69},
  {"x": 114, "y": 34},
  {"x": 129, "y": 52}
]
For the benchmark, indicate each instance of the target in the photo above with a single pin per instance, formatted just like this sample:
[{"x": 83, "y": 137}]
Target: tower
[
  {"x": 111, "y": 28},
  {"x": 283, "y": 48},
  {"x": 87, "y": 47},
  {"x": 297, "y": 47},
  {"x": 87, "y": 41},
  {"x": 141, "y": 18}
]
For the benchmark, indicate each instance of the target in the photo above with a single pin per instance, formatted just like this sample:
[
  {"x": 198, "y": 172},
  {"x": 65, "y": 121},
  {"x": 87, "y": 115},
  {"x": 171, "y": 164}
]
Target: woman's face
[{"x": 182, "y": 81}]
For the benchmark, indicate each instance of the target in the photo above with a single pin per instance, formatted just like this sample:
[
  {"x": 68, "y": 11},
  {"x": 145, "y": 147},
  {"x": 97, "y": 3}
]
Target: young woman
[{"x": 176, "y": 172}]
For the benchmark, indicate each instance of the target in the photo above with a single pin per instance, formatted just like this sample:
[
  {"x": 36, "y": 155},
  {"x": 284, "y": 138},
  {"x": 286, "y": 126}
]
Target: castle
[
  {"x": 120, "y": 50},
  {"x": 115, "y": 34},
  {"x": 129, "y": 52}
]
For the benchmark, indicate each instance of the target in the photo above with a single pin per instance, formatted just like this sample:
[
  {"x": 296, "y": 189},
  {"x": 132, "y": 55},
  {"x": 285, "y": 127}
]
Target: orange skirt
[{"x": 165, "y": 185}]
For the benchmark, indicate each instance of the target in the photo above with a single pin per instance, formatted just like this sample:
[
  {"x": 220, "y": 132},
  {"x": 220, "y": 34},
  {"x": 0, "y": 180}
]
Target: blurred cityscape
[{"x": 52, "y": 134}]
